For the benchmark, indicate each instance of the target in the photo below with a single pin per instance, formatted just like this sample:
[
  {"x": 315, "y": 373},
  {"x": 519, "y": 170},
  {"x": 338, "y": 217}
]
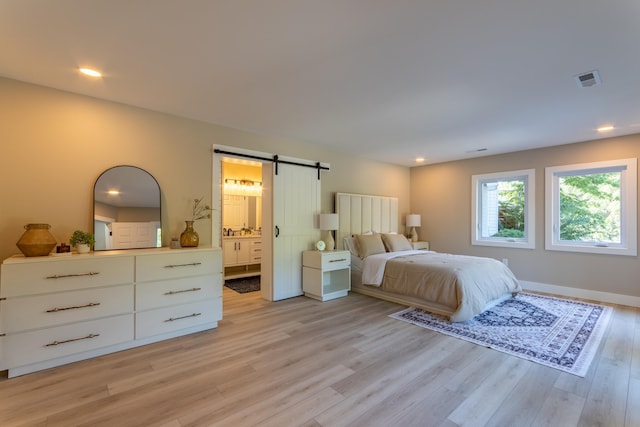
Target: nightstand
[
  {"x": 326, "y": 274},
  {"x": 420, "y": 245}
]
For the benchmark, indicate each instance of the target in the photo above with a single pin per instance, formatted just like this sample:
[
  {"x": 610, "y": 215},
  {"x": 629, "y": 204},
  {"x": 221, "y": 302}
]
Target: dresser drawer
[
  {"x": 55, "y": 275},
  {"x": 174, "y": 318},
  {"x": 23, "y": 313},
  {"x": 43, "y": 344},
  {"x": 177, "y": 291},
  {"x": 176, "y": 264}
]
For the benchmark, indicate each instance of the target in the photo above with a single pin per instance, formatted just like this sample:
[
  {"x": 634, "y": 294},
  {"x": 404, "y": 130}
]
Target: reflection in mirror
[
  {"x": 126, "y": 209},
  {"x": 242, "y": 212}
]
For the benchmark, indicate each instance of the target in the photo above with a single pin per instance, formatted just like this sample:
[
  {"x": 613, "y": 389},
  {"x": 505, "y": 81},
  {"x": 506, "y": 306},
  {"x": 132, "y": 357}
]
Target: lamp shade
[
  {"x": 329, "y": 221},
  {"x": 413, "y": 220}
]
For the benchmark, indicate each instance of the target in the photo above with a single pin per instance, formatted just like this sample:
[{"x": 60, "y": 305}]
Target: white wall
[
  {"x": 442, "y": 194},
  {"x": 54, "y": 145}
]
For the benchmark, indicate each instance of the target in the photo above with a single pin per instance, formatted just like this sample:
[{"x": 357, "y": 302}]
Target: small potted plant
[{"x": 82, "y": 241}]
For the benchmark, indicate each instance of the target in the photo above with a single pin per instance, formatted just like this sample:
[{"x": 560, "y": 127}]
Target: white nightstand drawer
[
  {"x": 174, "y": 318},
  {"x": 43, "y": 344},
  {"x": 326, "y": 260},
  {"x": 62, "y": 274},
  {"x": 420, "y": 245},
  {"x": 178, "y": 263},
  {"x": 66, "y": 307},
  {"x": 178, "y": 291}
]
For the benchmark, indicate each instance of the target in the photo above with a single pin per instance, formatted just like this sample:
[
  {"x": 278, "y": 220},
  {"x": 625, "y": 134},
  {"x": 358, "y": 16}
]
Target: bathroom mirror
[
  {"x": 242, "y": 212},
  {"x": 126, "y": 209}
]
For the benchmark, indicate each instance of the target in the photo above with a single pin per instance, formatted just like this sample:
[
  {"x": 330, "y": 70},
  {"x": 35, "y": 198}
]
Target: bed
[{"x": 384, "y": 264}]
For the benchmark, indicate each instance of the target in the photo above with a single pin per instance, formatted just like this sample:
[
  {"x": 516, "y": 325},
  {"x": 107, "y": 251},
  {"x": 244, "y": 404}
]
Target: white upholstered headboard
[{"x": 358, "y": 213}]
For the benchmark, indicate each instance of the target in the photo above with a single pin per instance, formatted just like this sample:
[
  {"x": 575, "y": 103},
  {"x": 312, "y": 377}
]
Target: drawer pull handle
[
  {"x": 61, "y": 276},
  {"x": 171, "y": 319},
  {"x": 184, "y": 290},
  {"x": 191, "y": 264},
  {"x": 56, "y": 309},
  {"x": 51, "y": 344},
  {"x": 338, "y": 260}
]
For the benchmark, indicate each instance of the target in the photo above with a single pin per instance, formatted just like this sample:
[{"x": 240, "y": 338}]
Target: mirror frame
[{"x": 159, "y": 204}]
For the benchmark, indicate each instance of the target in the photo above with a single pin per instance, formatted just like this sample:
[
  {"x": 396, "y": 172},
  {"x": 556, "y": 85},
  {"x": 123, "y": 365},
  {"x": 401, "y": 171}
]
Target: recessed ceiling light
[
  {"x": 90, "y": 72},
  {"x": 605, "y": 128},
  {"x": 113, "y": 192},
  {"x": 419, "y": 159}
]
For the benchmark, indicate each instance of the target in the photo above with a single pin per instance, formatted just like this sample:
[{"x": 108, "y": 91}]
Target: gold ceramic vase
[
  {"x": 37, "y": 240},
  {"x": 189, "y": 238}
]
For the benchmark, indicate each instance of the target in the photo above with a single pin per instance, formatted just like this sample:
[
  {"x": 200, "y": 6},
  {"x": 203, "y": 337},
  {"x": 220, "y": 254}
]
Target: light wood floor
[{"x": 301, "y": 362}]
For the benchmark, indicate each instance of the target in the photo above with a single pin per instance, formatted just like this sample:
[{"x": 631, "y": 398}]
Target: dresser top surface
[{"x": 17, "y": 259}]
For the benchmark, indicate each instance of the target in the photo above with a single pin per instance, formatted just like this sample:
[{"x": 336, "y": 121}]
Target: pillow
[
  {"x": 396, "y": 242},
  {"x": 351, "y": 245},
  {"x": 369, "y": 244}
]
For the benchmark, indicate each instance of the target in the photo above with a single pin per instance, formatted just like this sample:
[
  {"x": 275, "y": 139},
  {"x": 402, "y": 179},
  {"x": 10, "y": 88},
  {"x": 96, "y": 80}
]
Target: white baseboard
[{"x": 582, "y": 293}]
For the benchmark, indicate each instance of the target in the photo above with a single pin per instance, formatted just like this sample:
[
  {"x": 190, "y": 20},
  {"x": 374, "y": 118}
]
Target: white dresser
[{"x": 57, "y": 310}]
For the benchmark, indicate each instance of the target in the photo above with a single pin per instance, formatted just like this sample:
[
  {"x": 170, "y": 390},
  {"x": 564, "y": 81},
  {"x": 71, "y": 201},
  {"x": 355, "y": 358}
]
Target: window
[
  {"x": 591, "y": 207},
  {"x": 503, "y": 209}
]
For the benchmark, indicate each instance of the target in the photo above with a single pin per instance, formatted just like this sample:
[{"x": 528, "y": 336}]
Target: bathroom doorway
[{"x": 241, "y": 223}]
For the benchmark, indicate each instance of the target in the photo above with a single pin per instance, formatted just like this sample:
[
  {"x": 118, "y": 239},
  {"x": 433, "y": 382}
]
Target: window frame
[
  {"x": 528, "y": 241},
  {"x": 628, "y": 245}
]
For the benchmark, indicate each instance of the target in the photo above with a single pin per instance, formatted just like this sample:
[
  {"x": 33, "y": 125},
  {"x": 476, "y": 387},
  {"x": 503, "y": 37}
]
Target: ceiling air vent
[{"x": 592, "y": 78}]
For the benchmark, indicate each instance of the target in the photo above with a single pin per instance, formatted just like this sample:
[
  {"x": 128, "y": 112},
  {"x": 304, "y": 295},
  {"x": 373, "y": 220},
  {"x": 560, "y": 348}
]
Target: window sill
[
  {"x": 593, "y": 249},
  {"x": 504, "y": 244}
]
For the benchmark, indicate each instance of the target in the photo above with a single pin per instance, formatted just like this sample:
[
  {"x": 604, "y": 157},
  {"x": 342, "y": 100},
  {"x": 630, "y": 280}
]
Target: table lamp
[
  {"x": 329, "y": 222},
  {"x": 413, "y": 220}
]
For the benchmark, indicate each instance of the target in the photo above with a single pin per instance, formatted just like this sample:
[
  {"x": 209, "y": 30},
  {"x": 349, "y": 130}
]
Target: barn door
[
  {"x": 296, "y": 204},
  {"x": 290, "y": 206}
]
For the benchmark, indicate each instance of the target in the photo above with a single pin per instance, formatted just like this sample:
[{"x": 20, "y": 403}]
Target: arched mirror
[{"x": 126, "y": 209}]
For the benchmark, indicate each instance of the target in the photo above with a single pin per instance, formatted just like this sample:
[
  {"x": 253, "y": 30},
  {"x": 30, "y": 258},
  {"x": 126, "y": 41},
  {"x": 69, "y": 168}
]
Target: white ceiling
[{"x": 388, "y": 80}]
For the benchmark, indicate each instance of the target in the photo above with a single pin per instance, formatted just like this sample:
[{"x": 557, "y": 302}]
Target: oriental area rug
[{"x": 555, "y": 332}]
